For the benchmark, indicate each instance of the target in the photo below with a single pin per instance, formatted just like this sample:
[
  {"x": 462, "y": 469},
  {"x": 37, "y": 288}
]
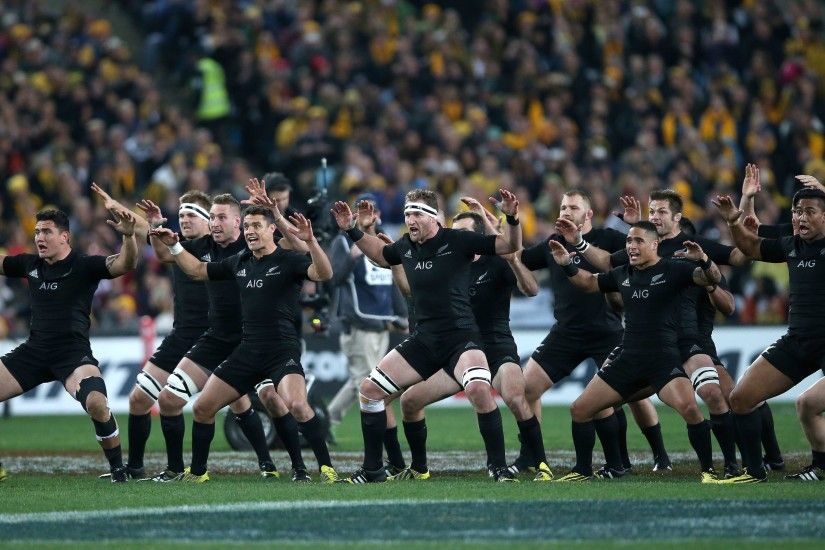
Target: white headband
[
  {"x": 198, "y": 210},
  {"x": 421, "y": 207}
]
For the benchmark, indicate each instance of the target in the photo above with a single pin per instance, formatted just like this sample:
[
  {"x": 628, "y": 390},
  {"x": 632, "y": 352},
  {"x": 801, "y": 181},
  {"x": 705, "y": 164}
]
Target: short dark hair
[
  {"x": 427, "y": 196},
  {"x": 257, "y": 210},
  {"x": 478, "y": 220},
  {"x": 808, "y": 193},
  {"x": 672, "y": 197},
  {"x": 276, "y": 181},
  {"x": 646, "y": 226},
  {"x": 60, "y": 219},
  {"x": 226, "y": 198},
  {"x": 687, "y": 226},
  {"x": 578, "y": 192},
  {"x": 197, "y": 197}
]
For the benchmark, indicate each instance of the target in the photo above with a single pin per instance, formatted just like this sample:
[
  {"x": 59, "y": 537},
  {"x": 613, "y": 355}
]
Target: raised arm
[
  {"x": 583, "y": 279},
  {"x": 189, "y": 264},
  {"x": 750, "y": 187},
  {"x": 398, "y": 275},
  {"x": 155, "y": 219},
  {"x": 707, "y": 273},
  {"x": 370, "y": 245},
  {"x": 721, "y": 299},
  {"x": 141, "y": 226},
  {"x": 746, "y": 241},
  {"x": 525, "y": 280},
  {"x": 320, "y": 269},
  {"x": 491, "y": 224},
  {"x": 598, "y": 258},
  {"x": 126, "y": 260},
  {"x": 257, "y": 195},
  {"x": 509, "y": 240}
]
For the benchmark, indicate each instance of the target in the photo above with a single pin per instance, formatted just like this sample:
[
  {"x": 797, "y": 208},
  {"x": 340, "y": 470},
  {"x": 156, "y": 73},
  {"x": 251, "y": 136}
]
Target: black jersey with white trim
[
  {"x": 573, "y": 308},
  {"x": 224, "y": 298},
  {"x": 61, "y": 293},
  {"x": 652, "y": 303},
  {"x": 491, "y": 285},
  {"x": 269, "y": 289},
  {"x": 806, "y": 271},
  {"x": 438, "y": 272}
]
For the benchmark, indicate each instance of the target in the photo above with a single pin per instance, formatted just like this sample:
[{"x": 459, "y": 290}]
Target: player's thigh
[
  {"x": 472, "y": 358},
  {"x": 760, "y": 382},
  {"x": 536, "y": 380},
  {"x": 72, "y": 382},
  {"x": 398, "y": 370},
  {"x": 509, "y": 381},
  {"x": 435, "y": 388},
  {"x": 597, "y": 396},
  {"x": 9, "y": 386},
  {"x": 812, "y": 400},
  {"x": 216, "y": 395},
  {"x": 197, "y": 373}
]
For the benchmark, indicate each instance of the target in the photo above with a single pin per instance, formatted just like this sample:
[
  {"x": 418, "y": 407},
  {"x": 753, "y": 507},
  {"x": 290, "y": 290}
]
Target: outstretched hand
[
  {"x": 301, "y": 227},
  {"x": 367, "y": 215},
  {"x": 751, "y": 223},
  {"x": 152, "y": 211},
  {"x": 122, "y": 221},
  {"x": 693, "y": 251},
  {"x": 560, "y": 254},
  {"x": 810, "y": 182},
  {"x": 569, "y": 230},
  {"x": 342, "y": 214},
  {"x": 751, "y": 184},
  {"x": 166, "y": 235},
  {"x": 730, "y": 212},
  {"x": 632, "y": 209},
  {"x": 508, "y": 204}
]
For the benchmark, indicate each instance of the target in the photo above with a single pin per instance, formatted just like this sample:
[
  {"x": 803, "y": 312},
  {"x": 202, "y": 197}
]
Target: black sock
[
  {"x": 725, "y": 432},
  {"x": 173, "y": 429},
  {"x": 140, "y": 426},
  {"x": 373, "y": 426},
  {"x": 114, "y": 456},
  {"x": 416, "y": 433},
  {"x": 769, "y": 442},
  {"x": 608, "y": 431},
  {"x": 253, "y": 429},
  {"x": 312, "y": 432},
  {"x": 621, "y": 418},
  {"x": 489, "y": 424},
  {"x": 287, "y": 429},
  {"x": 530, "y": 432},
  {"x": 653, "y": 434},
  {"x": 818, "y": 459},
  {"x": 202, "y": 435},
  {"x": 749, "y": 431},
  {"x": 393, "y": 448},
  {"x": 584, "y": 439},
  {"x": 525, "y": 456},
  {"x": 699, "y": 436}
]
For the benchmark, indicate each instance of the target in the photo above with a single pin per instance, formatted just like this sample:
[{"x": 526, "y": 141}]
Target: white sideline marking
[{"x": 82, "y": 515}]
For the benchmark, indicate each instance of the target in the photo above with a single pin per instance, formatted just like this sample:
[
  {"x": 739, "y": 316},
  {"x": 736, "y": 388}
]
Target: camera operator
[{"x": 369, "y": 305}]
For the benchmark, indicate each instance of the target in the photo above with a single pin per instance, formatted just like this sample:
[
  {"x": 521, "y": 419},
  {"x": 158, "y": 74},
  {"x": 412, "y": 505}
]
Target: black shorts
[
  {"x": 796, "y": 356},
  {"x": 172, "y": 349},
  {"x": 561, "y": 352},
  {"x": 628, "y": 374},
  {"x": 710, "y": 348},
  {"x": 247, "y": 365},
  {"x": 427, "y": 353},
  {"x": 32, "y": 364},
  {"x": 688, "y": 347},
  {"x": 211, "y": 350},
  {"x": 498, "y": 352}
]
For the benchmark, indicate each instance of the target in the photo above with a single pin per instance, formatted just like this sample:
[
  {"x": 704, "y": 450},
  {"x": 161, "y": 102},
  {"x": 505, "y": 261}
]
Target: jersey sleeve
[
  {"x": 716, "y": 251},
  {"x": 475, "y": 243},
  {"x": 616, "y": 242},
  {"x": 608, "y": 281},
  {"x": 223, "y": 270},
  {"x": 769, "y": 231},
  {"x": 619, "y": 258},
  {"x": 535, "y": 257},
  {"x": 300, "y": 265},
  {"x": 775, "y": 250},
  {"x": 683, "y": 272},
  {"x": 507, "y": 277},
  {"x": 392, "y": 252},
  {"x": 18, "y": 265},
  {"x": 95, "y": 267}
]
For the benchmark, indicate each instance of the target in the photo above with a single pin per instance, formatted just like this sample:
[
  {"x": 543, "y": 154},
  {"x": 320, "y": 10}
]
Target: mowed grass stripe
[{"x": 464, "y": 520}]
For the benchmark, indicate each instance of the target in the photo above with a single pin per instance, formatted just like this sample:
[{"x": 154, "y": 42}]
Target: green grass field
[{"x": 458, "y": 507}]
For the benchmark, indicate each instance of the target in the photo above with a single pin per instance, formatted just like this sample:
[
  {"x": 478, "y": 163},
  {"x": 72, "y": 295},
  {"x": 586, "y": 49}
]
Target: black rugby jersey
[
  {"x": 491, "y": 285},
  {"x": 61, "y": 293},
  {"x": 652, "y": 303},
  {"x": 770, "y": 231},
  {"x": 706, "y": 311},
  {"x": 438, "y": 272},
  {"x": 269, "y": 289},
  {"x": 191, "y": 302},
  {"x": 717, "y": 252},
  {"x": 224, "y": 299},
  {"x": 573, "y": 308},
  {"x": 806, "y": 270}
]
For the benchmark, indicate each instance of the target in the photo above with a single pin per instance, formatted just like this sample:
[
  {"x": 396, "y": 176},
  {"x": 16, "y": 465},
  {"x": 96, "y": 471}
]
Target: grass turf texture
[{"x": 451, "y": 510}]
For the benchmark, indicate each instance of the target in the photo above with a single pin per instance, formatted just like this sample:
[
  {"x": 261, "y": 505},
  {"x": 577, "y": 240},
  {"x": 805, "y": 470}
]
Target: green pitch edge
[{"x": 398, "y": 520}]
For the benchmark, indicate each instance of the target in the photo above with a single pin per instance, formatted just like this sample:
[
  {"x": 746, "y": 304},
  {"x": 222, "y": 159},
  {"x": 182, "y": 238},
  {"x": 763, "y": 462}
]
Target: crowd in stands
[{"x": 618, "y": 97}]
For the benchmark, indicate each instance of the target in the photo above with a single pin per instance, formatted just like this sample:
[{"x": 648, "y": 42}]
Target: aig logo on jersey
[
  {"x": 641, "y": 294},
  {"x": 255, "y": 283},
  {"x": 806, "y": 263},
  {"x": 424, "y": 265},
  {"x": 47, "y": 286}
]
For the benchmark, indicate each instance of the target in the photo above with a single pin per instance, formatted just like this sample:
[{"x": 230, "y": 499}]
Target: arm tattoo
[{"x": 111, "y": 260}]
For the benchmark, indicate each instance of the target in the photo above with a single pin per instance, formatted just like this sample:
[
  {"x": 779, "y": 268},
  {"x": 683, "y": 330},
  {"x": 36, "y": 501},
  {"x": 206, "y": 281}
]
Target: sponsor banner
[{"x": 121, "y": 358}]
